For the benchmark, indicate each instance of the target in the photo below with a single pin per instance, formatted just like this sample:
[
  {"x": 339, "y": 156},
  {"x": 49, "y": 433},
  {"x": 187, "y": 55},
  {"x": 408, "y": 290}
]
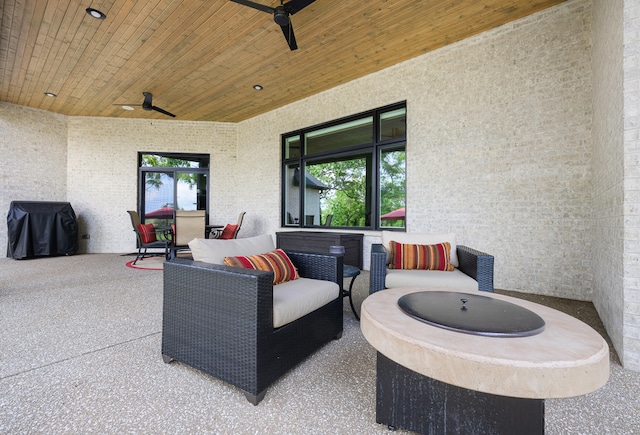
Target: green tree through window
[
  {"x": 157, "y": 161},
  {"x": 345, "y": 198},
  {"x": 169, "y": 182},
  {"x": 354, "y": 171}
]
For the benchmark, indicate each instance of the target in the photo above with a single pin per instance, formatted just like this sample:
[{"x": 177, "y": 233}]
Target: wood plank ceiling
[{"x": 201, "y": 58}]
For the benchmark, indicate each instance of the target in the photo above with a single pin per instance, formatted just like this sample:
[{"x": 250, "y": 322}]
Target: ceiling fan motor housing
[
  {"x": 280, "y": 16},
  {"x": 147, "y": 104}
]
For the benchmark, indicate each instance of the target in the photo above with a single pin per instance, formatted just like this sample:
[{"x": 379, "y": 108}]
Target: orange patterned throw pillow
[
  {"x": 147, "y": 233},
  {"x": 426, "y": 257},
  {"x": 276, "y": 261}
]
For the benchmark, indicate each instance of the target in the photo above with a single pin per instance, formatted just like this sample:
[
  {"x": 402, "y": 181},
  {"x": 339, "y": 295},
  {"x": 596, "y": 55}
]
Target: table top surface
[
  {"x": 349, "y": 271},
  {"x": 568, "y": 358}
]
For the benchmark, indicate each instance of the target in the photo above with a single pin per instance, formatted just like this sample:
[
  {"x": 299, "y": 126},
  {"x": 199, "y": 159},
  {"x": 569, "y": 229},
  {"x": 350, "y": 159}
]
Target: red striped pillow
[
  {"x": 425, "y": 257},
  {"x": 276, "y": 261},
  {"x": 147, "y": 233}
]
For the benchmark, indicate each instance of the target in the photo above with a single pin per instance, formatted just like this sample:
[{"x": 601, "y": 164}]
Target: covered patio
[{"x": 522, "y": 139}]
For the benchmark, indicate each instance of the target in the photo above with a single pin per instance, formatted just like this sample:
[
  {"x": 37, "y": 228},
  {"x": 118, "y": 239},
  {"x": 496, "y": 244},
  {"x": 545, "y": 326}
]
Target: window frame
[
  {"x": 203, "y": 170},
  {"x": 372, "y": 149}
]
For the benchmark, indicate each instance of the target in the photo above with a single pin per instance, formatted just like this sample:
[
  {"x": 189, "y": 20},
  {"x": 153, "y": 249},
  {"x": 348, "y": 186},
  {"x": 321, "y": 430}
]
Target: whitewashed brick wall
[
  {"x": 33, "y": 159},
  {"x": 608, "y": 166},
  {"x": 103, "y": 171},
  {"x": 499, "y": 146},
  {"x": 631, "y": 317}
]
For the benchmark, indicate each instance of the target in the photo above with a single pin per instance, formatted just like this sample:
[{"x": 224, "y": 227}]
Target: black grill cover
[{"x": 41, "y": 228}]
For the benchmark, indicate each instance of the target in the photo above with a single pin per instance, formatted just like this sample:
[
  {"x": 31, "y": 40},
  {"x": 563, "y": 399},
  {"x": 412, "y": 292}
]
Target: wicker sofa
[
  {"x": 220, "y": 319},
  {"x": 473, "y": 269}
]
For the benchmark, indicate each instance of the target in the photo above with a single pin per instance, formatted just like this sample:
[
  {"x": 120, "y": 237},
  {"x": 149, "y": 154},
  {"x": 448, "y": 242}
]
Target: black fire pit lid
[{"x": 471, "y": 314}]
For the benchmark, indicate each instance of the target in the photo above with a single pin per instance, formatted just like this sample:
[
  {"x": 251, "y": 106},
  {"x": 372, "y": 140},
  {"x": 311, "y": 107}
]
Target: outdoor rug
[{"x": 147, "y": 263}]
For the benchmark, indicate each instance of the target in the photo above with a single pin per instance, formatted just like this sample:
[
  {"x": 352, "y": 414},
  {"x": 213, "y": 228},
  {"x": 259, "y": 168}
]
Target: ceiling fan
[
  {"x": 281, "y": 15},
  {"x": 147, "y": 104}
]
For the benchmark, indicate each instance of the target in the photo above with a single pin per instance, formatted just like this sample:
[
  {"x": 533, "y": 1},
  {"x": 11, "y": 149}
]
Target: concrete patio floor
[{"x": 80, "y": 353}]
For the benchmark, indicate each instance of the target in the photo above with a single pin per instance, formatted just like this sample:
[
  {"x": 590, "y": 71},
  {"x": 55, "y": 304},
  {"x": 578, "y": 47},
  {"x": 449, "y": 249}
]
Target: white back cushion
[
  {"x": 421, "y": 239},
  {"x": 214, "y": 250}
]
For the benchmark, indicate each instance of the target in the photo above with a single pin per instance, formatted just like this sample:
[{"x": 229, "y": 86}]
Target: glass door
[{"x": 169, "y": 182}]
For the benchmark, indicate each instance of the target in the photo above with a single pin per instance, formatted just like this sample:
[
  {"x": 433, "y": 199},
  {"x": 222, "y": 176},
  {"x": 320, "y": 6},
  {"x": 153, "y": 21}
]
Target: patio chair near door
[
  {"x": 230, "y": 231},
  {"x": 189, "y": 225},
  {"x": 147, "y": 238}
]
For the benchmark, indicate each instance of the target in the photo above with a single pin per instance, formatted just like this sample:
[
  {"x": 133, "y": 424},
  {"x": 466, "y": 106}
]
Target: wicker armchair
[
  {"x": 219, "y": 320},
  {"x": 475, "y": 264}
]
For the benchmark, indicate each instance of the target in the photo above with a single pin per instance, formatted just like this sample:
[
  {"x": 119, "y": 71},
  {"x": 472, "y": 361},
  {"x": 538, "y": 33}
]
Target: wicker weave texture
[
  {"x": 378, "y": 268},
  {"x": 219, "y": 320},
  {"x": 478, "y": 266}
]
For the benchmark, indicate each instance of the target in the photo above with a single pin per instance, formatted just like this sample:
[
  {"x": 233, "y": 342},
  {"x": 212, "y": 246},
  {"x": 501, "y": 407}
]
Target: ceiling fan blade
[
  {"x": 296, "y": 5},
  {"x": 157, "y": 109},
  {"x": 254, "y": 5},
  {"x": 289, "y": 36}
]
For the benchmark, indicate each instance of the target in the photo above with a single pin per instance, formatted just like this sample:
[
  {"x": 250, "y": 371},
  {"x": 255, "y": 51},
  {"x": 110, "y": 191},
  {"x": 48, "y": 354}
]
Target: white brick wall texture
[
  {"x": 608, "y": 166},
  {"x": 102, "y": 176},
  {"x": 33, "y": 159},
  {"x": 631, "y": 260},
  {"x": 499, "y": 146}
]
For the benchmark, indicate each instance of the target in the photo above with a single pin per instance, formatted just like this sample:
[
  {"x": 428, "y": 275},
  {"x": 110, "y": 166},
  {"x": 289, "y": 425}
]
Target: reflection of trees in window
[
  {"x": 346, "y": 196},
  {"x": 169, "y": 182},
  {"x": 157, "y": 161},
  {"x": 392, "y": 184},
  {"x": 354, "y": 170}
]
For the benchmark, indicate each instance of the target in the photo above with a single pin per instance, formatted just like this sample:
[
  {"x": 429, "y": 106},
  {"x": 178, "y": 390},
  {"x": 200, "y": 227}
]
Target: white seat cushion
[
  {"x": 294, "y": 299},
  {"x": 430, "y": 278},
  {"x": 214, "y": 250}
]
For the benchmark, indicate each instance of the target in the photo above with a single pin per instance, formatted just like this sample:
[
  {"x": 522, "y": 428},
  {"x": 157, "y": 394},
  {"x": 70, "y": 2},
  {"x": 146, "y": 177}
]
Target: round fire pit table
[{"x": 432, "y": 379}]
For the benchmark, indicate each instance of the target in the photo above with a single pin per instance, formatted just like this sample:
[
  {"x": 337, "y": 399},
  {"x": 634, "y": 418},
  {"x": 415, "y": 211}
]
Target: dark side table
[{"x": 350, "y": 272}]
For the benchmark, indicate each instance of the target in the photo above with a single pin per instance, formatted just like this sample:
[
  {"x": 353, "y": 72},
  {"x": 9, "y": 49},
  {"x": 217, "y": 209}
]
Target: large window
[
  {"x": 349, "y": 173},
  {"x": 171, "y": 181}
]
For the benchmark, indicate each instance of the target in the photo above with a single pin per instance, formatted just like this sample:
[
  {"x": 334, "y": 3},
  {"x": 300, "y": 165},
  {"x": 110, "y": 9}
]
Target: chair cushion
[
  {"x": 421, "y": 239},
  {"x": 426, "y": 257},
  {"x": 275, "y": 261},
  {"x": 228, "y": 232},
  {"x": 147, "y": 233},
  {"x": 294, "y": 299},
  {"x": 214, "y": 250},
  {"x": 430, "y": 279}
]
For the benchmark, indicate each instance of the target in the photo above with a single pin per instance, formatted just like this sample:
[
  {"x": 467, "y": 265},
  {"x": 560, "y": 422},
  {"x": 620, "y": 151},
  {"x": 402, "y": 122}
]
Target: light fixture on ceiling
[
  {"x": 257, "y": 87},
  {"x": 127, "y": 107},
  {"x": 50, "y": 94},
  {"x": 96, "y": 13}
]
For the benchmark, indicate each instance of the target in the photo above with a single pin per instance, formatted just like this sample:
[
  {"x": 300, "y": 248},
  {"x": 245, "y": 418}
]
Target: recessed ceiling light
[
  {"x": 257, "y": 87},
  {"x": 96, "y": 13},
  {"x": 127, "y": 107},
  {"x": 50, "y": 94}
]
